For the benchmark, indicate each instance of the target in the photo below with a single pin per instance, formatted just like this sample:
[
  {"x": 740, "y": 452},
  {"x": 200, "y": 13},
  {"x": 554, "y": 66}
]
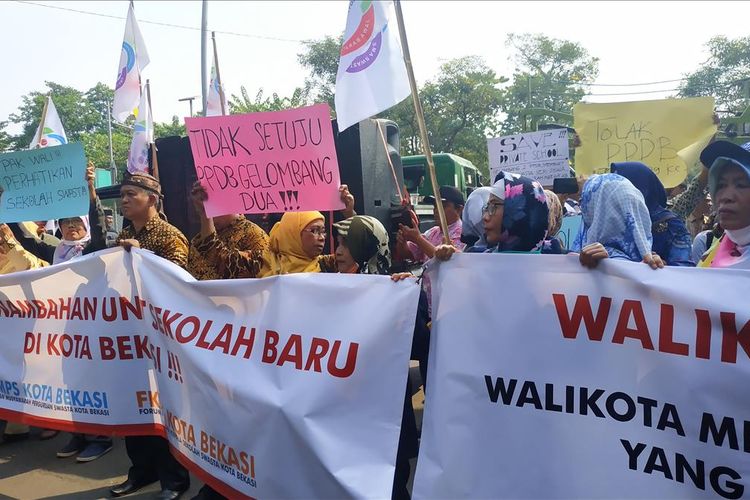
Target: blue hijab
[
  {"x": 615, "y": 215},
  {"x": 648, "y": 183}
]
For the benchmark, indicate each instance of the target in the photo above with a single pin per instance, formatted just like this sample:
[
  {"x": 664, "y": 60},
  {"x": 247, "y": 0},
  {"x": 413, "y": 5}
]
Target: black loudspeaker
[
  {"x": 364, "y": 167},
  {"x": 177, "y": 175}
]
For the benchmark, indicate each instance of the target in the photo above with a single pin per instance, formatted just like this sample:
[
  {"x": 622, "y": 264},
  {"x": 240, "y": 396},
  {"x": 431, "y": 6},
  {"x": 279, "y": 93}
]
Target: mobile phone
[{"x": 565, "y": 185}]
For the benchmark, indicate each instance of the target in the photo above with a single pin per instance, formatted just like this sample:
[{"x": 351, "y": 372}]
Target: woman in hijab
[
  {"x": 671, "y": 238},
  {"x": 363, "y": 249},
  {"x": 296, "y": 242},
  {"x": 472, "y": 233},
  {"x": 729, "y": 185},
  {"x": 76, "y": 235},
  {"x": 616, "y": 223},
  {"x": 515, "y": 218},
  {"x": 362, "y": 246}
]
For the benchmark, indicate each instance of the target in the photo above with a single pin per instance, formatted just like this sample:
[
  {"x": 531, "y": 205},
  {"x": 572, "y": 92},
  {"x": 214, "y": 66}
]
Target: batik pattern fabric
[
  {"x": 525, "y": 213},
  {"x": 160, "y": 237},
  {"x": 615, "y": 215},
  {"x": 685, "y": 203},
  {"x": 234, "y": 251}
]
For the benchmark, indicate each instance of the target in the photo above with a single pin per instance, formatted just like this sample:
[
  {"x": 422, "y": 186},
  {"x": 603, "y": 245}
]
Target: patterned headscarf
[
  {"x": 615, "y": 215},
  {"x": 525, "y": 214},
  {"x": 555, "y": 213},
  {"x": 367, "y": 241},
  {"x": 648, "y": 183},
  {"x": 285, "y": 254},
  {"x": 472, "y": 230}
]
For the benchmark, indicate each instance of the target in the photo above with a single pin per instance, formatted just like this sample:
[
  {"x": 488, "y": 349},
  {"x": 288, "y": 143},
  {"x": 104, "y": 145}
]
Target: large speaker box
[{"x": 363, "y": 164}]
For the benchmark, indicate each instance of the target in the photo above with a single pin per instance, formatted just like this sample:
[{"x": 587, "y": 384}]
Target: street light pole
[
  {"x": 112, "y": 166},
  {"x": 190, "y": 100}
]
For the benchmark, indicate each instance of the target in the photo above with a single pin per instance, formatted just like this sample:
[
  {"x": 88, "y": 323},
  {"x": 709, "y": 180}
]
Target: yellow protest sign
[{"x": 667, "y": 135}]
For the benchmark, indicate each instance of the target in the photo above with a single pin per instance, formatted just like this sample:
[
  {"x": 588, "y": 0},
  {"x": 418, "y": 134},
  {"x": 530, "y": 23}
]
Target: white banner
[
  {"x": 289, "y": 386},
  {"x": 541, "y": 155},
  {"x": 548, "y": 380}
]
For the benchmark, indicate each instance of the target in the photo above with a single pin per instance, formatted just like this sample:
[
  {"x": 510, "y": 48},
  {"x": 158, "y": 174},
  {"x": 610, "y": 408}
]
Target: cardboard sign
[
  {"x": 667, "y": 135},
  {"x": 43, "y": 184},
  {"x": 569, "y": 229},
  {"x": 541, "y": 156},
  {"x": 280, "y": 161}
]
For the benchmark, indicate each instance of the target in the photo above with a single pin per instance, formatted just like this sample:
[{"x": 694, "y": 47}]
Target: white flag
[
  {"x": 133, "y": 59},
  {"x": 372, "y": 75},
  {"x": 215, "y": 94},
  {"x": 143, "y": 136},
  {"x": 52, "y": 133}
]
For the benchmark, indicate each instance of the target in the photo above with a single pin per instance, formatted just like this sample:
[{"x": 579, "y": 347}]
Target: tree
[
  {"x": 461, "y": 108},
  {"x": 321, "y": 58},
  {"x": 169, "y": 129},
  {"x": 6, "y": 141},
  {"x": 239, "y": 104},
  {"x": 725, "y": 75},
  {"x": 549, "y": 73},
  {"x": 96, "y": 146}
]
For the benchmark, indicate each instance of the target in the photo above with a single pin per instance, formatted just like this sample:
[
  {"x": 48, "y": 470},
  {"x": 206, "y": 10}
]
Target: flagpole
[
  {"x": 112, "y": 166},
  {"x": 218, "y": 75},
  {"x": 422, "y": 125},
  {"x": 204, "y": 80},
  {"x": 40, "y": 132},
  {"x": 154, "y": 158}
]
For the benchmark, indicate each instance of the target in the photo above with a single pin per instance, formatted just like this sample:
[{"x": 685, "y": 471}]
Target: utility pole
[{"x": 190, "y": 100}]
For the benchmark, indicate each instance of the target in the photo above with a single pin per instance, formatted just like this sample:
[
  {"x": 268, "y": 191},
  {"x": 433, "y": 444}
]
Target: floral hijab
[
  {"x": 615, "y": 215},
  {"x": 367, "y": 241},
  {"x": 525, "y": 215}
]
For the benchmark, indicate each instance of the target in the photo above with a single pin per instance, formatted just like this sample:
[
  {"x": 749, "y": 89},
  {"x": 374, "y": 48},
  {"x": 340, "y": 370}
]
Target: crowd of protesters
[{"x": 626, "y": 215}]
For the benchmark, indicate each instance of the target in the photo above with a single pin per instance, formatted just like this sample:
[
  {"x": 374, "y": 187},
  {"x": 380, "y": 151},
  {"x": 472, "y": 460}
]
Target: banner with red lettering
[
  {"x": 269, "y": 162},
  {"x": 289, "y": 386},
  {"x": 549, "y": 380}
]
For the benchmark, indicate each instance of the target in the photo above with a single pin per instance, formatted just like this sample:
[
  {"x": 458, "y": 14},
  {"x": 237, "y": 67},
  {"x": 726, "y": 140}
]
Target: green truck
[{"x": 451, "y": 170}]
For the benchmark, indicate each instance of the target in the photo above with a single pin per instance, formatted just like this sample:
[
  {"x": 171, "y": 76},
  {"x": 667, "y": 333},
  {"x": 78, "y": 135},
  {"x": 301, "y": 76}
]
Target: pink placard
[{"x": 278, "y": 161}]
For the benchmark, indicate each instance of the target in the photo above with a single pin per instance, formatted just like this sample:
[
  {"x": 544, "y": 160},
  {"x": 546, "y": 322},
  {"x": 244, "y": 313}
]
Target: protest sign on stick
[
  {"x": 667, "y": 135},
  {"x": 279, "y": 161},
  {"x": 43, "y": 184},
  {"x": 541, "y": 155}
]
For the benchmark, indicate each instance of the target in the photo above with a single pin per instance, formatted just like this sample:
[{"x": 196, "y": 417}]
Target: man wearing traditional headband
[{"x": 140, "y": 197}]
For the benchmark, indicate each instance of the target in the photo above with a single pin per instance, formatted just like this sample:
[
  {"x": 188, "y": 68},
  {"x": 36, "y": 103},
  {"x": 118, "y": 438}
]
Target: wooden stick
[
  {"x": 154, "y": 158},
  {"x": 218, "y": 75},
  {"x": 422, "y": 124},
  {"x": 40, "y": 133}
]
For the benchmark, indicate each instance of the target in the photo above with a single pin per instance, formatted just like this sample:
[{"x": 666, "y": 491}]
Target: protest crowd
[{"x": 626, "y": 214}]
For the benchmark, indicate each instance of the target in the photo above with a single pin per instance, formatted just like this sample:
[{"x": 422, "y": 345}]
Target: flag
[
  {"x": 52, "y": 131},
  {"x": 133, "y": 58},
  {"x": 371, "y": 76},
  {"x": 215, "y": 94},
  {"x": 143, "y": 136}
]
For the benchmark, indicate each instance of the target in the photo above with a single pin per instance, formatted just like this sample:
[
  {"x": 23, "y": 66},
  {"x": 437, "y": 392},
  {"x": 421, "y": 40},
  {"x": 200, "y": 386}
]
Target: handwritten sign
[
  {"x": 281, "y": 161},
  {"x": 539, "y": 155},
  {"x": 43, "y": 184},
  {"x": 667, "y": 135},
  {"x": 569, "y": 229}
]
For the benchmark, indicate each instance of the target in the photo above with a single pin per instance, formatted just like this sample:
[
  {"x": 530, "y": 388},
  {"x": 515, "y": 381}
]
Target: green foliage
[
  {"x": 96, "y": 146},
  {"x": 6, "y": 141},
  {"x": 549, "y": 73},
  {"x": 461, "y": 109},
  {"x": 169, "y": 129},
  {"x": 240, "y": 104},
  {"x": 725, "y": 75},
  {"x": 321, "y": 58}
]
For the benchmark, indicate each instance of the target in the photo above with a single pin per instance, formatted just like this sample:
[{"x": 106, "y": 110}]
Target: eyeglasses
[
  {"x": 318, "y": 232},
  {"x": 491, "y": 208}
]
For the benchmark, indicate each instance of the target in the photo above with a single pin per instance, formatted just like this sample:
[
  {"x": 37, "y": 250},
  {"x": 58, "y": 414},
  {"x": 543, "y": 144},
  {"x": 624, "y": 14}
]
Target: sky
[{"x": 636, "y": 42}]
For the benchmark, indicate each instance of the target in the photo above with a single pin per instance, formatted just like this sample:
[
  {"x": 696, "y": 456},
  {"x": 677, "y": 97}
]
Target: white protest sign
[
  {"x": 621, "y": 382},
  {"x": 541, "y": 155},
  {"x": 290, "y": 386}
]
